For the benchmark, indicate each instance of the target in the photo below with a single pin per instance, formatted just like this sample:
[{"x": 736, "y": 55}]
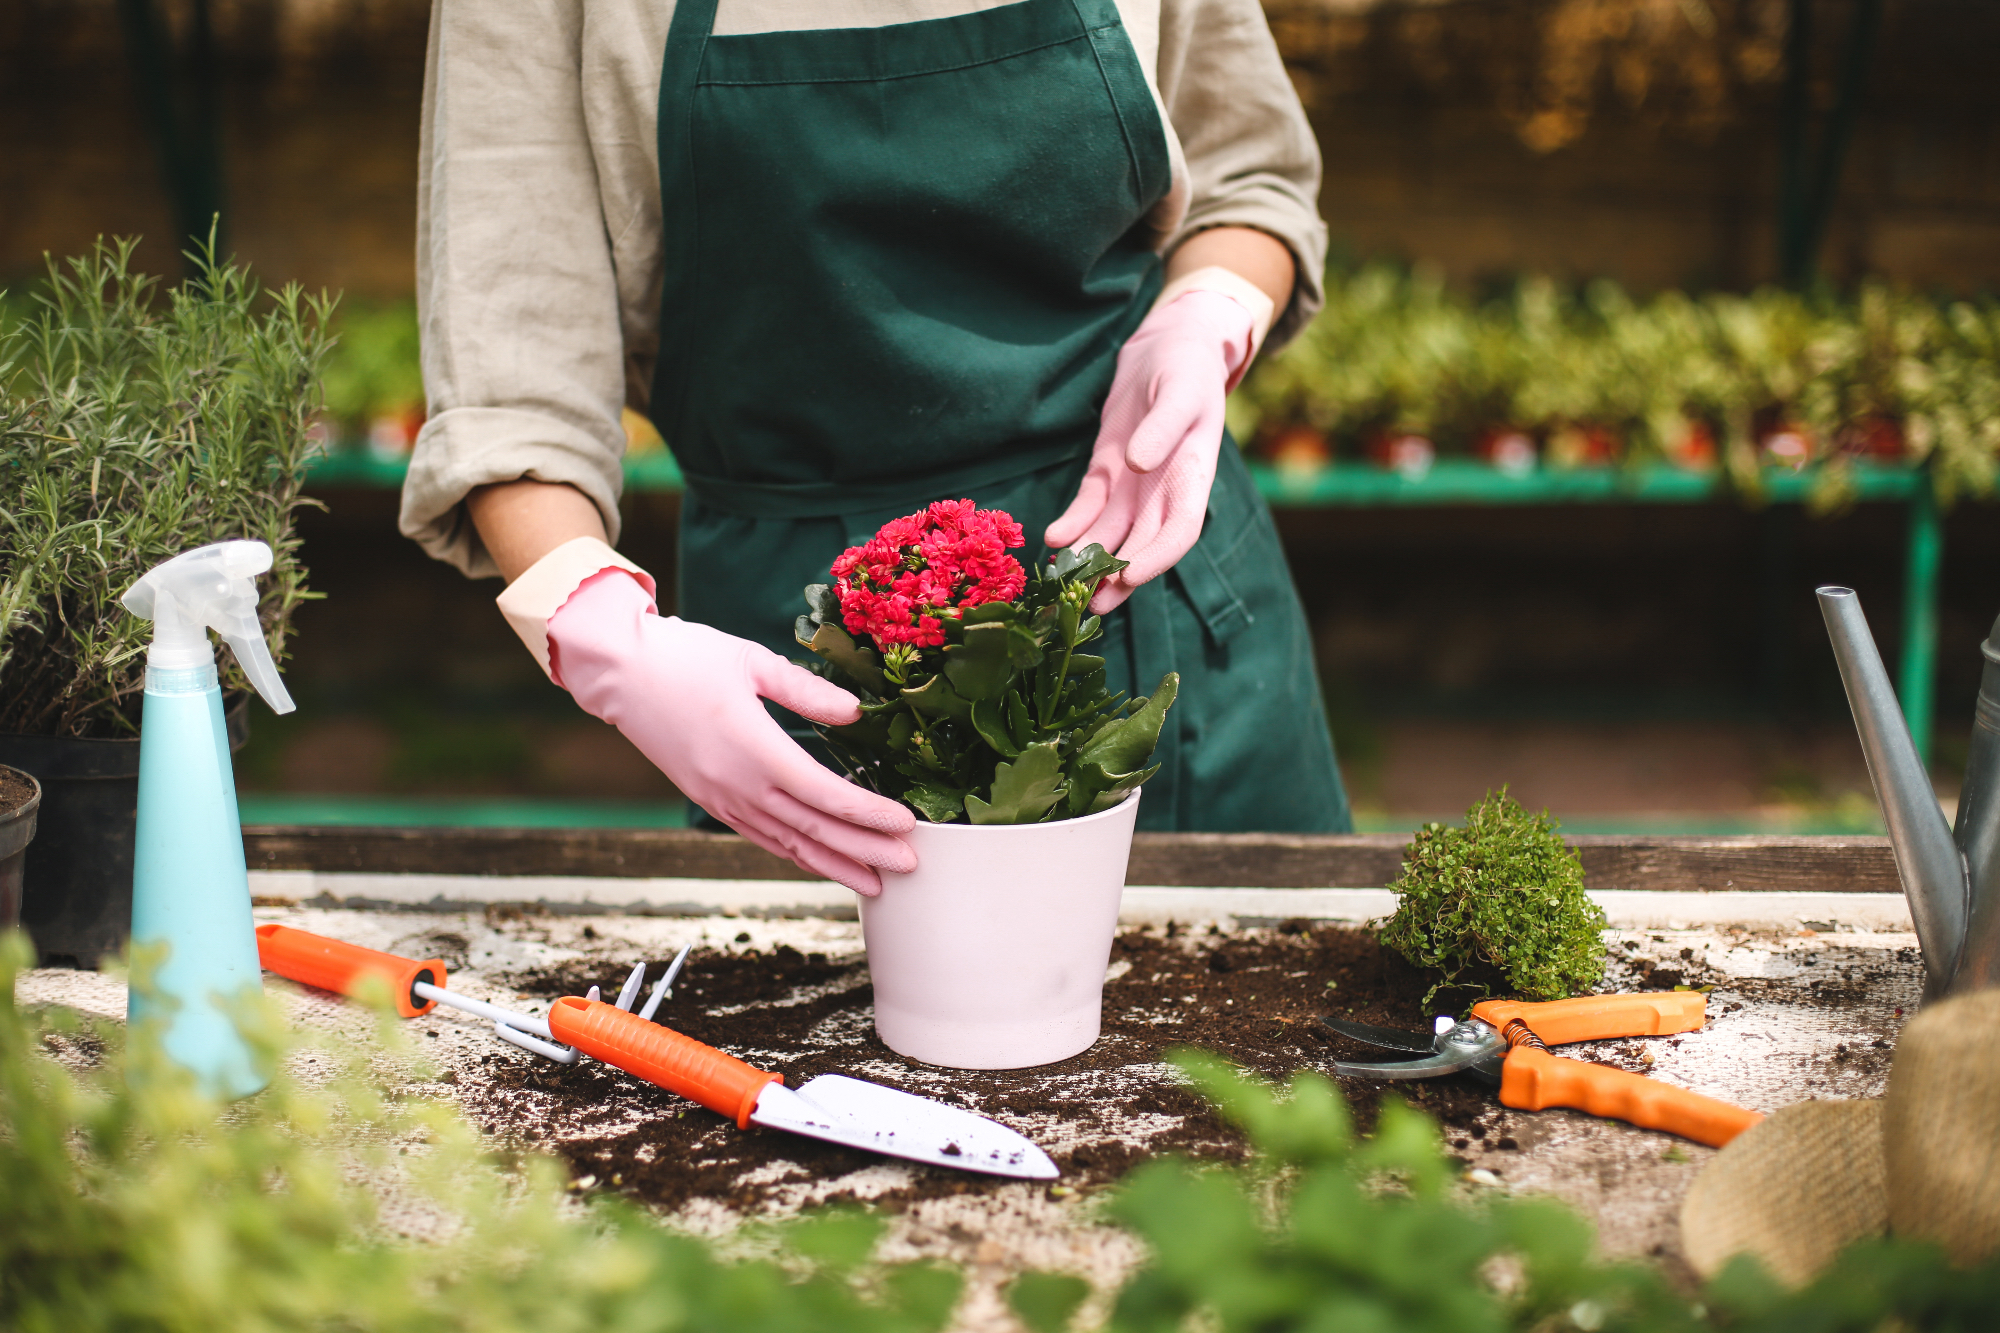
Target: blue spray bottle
[{"x": 190, "y": 888}]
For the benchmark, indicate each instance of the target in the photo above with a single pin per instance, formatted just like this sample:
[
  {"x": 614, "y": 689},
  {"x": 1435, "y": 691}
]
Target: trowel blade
[{"x": 899, "y": 1124}]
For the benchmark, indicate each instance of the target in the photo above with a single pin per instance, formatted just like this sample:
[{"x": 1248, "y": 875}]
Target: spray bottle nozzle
[{"x": 211, "y": 587}]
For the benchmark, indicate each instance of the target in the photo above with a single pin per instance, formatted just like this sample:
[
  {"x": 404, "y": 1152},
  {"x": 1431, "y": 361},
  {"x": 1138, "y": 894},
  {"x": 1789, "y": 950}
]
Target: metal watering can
[{"x": 1950, "y": 875}]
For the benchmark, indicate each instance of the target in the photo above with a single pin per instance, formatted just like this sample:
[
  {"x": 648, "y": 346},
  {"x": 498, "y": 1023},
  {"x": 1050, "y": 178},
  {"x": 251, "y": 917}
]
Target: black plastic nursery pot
[
  {"x": 17, "y": 830},
  {"x": 76, "y": 886}
]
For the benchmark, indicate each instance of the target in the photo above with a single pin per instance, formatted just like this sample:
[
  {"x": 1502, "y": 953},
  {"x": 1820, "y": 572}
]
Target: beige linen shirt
[{"x": 539, "y": 245}]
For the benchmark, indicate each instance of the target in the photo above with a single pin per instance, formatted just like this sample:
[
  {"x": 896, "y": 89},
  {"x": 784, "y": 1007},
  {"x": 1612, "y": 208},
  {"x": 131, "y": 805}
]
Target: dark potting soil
[
  {"x": 15, "y": 790},
  {"x": 1254, "y": 997}
]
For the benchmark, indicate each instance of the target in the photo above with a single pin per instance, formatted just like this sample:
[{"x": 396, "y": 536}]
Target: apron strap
[{"x": 687, "y": 45}]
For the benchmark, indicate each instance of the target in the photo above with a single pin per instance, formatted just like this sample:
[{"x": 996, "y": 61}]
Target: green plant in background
[
  {"x": 1503, "y": 895},
  {"x": 134, "y": 1202},
  {"x": 1326, "y": 1232},
  {"x": 373, "y": 368},
  {"x": 1886, "y": 374},
  {"x": 137, "y": 424}
]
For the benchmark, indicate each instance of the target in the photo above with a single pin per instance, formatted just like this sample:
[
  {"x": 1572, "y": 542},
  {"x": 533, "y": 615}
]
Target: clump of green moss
[{"x": 1502, "y": 895}]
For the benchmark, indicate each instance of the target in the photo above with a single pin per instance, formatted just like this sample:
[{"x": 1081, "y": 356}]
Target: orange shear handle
[
  {"x": 660, "y": 1055},
  {"x": 1533, "y": 1080},
  {"x": 335, "y": 965},
  {"x": 1597, "y": 1017}
]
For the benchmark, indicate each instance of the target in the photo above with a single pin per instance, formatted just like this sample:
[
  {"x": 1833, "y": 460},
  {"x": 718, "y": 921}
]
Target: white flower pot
[{"x": 991, "y": 954}]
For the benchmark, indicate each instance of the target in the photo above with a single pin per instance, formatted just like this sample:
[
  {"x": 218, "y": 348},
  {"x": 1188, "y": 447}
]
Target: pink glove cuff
[
  {"x": 1225, "y": 282},
  {"x": 540, "y": 592}
]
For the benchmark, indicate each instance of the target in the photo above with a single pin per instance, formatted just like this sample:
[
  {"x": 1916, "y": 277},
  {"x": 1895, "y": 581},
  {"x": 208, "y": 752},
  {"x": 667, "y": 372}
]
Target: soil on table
[
  {"x": 15, "y": 790},
  {"x": 1253, "y": 997}
]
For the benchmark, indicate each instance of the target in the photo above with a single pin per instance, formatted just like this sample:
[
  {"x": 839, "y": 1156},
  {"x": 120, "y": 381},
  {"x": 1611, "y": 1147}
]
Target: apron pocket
[{"x": 1238, "y": 549}]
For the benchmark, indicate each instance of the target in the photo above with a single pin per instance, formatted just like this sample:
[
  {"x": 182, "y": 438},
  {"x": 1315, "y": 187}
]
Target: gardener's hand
[
  {"x": 690, "y": 697},
  {"x": 1146, "y": 493}
]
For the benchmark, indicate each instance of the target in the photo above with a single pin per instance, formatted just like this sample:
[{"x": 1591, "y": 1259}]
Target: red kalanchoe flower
[{"x": 897, "y": 586}]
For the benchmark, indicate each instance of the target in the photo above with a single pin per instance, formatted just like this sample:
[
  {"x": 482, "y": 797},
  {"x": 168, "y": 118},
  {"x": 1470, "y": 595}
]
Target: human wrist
[
  {"x": 545, "y": 587},
  {"x": 520, "y": 521}
]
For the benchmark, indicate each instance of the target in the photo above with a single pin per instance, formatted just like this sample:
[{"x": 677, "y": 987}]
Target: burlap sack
[{"x": 1924, "y": 1161}]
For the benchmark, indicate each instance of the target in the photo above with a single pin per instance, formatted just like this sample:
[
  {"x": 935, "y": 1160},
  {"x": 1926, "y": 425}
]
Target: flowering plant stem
[{"x": 976, "y": 705}]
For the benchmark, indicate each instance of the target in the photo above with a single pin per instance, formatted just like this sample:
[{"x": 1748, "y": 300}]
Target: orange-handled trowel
[{"x": 831, "y": 1107}]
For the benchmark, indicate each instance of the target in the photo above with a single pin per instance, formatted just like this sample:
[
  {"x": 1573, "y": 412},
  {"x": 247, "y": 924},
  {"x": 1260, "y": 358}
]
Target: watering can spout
[{"x": 1933, "y": 869}]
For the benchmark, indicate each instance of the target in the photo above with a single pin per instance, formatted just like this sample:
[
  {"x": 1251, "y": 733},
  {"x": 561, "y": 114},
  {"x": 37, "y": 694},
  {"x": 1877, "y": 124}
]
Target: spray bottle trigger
[
  {"x": 254, "y": 656},
  {"x": 211, "y": 587}
]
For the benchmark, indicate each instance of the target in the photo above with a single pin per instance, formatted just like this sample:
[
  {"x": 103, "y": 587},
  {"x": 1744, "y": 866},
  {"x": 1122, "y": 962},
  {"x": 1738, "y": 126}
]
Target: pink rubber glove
[
  {"x": 689, "y": 697},
  {"x": 1146, "y": 492}
]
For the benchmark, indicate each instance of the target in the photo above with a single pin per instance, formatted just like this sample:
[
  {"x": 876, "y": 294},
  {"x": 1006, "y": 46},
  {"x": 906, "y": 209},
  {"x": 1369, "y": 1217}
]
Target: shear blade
[
  {"x": 1465, "y": 1045},
  {"x": 1434, "y": 1066},
  {"x": 1395, "y": 1039}
]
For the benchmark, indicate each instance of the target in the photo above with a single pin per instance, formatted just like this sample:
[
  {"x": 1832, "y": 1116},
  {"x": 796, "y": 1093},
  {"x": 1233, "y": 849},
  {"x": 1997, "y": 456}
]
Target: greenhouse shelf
[
  {"x": 1466, "y": 481},
  {"x": 1460, "y": 481}
]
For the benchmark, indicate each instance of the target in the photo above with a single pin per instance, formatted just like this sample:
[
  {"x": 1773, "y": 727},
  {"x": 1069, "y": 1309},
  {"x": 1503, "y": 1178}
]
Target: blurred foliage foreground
[
  {"x": 331, "y": 1202},
  {"x": 1397, "y": 363}
]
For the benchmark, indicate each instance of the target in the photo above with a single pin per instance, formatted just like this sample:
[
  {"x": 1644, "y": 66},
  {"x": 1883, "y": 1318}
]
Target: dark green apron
[{"x": 900, "y": 263}]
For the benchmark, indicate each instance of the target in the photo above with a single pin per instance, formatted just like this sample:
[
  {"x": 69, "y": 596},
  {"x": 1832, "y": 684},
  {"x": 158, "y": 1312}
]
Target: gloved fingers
[
  {"x": 1175, "y": 538},
  {"x": 1183, "y": 409},
  {"x": 1110, "y": 527},
  {"x": 1175, "y": 513},
  {"x": 814, "y": 698},
  {"x": 1137, "y": 531},
  {"x": 855, "y": 843},
  {"x": 1148, "y": 514},
  {"x": 774, "y": 836},
  {"x": 1083, "y": 511},
  {"x": 791, "y": 770}
]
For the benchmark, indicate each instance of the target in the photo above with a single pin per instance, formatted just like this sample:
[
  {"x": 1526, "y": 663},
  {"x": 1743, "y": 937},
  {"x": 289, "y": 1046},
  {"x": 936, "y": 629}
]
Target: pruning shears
[{"x": 1506, "y": 1042}]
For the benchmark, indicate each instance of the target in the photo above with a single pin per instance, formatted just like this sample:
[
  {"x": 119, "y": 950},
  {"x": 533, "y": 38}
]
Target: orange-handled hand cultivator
[
  {"x": 1507, "y": 1041},
  {"x": 831, "y": 1107},
  {"x": 419, "y": 987}
]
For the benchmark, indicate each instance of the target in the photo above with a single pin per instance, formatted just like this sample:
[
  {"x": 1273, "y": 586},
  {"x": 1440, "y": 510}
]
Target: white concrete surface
[{"x": 1144, "y": 904}]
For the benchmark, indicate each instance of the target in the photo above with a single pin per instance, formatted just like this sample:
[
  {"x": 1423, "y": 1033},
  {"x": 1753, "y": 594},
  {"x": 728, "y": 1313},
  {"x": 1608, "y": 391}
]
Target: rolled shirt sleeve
[
  {"x": 1251, "y": 157},
  {"x": 517, "y": 295}
]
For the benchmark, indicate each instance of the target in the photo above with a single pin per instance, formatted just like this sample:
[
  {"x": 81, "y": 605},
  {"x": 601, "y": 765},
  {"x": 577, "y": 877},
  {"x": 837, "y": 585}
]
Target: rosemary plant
[{"x": 136, "y": 423}]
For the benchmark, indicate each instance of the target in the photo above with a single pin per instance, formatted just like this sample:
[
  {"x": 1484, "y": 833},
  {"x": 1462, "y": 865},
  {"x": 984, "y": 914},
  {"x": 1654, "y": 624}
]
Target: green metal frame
[{"x": 1458, "y": 481}]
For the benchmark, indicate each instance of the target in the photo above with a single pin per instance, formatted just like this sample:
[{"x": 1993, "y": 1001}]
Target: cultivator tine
[
  {"x": 630, "y": 990},
  {"x": 529, "y": 1042},
  {"x": 664, "y": 987}
]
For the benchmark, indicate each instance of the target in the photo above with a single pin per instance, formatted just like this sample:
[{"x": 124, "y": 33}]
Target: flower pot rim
[
  {"x": 960, "y": 830},
  {"x": 27, "y": 807},
  {"x": 17, "y": 826},
  {"x": 82, "y": 758}
]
